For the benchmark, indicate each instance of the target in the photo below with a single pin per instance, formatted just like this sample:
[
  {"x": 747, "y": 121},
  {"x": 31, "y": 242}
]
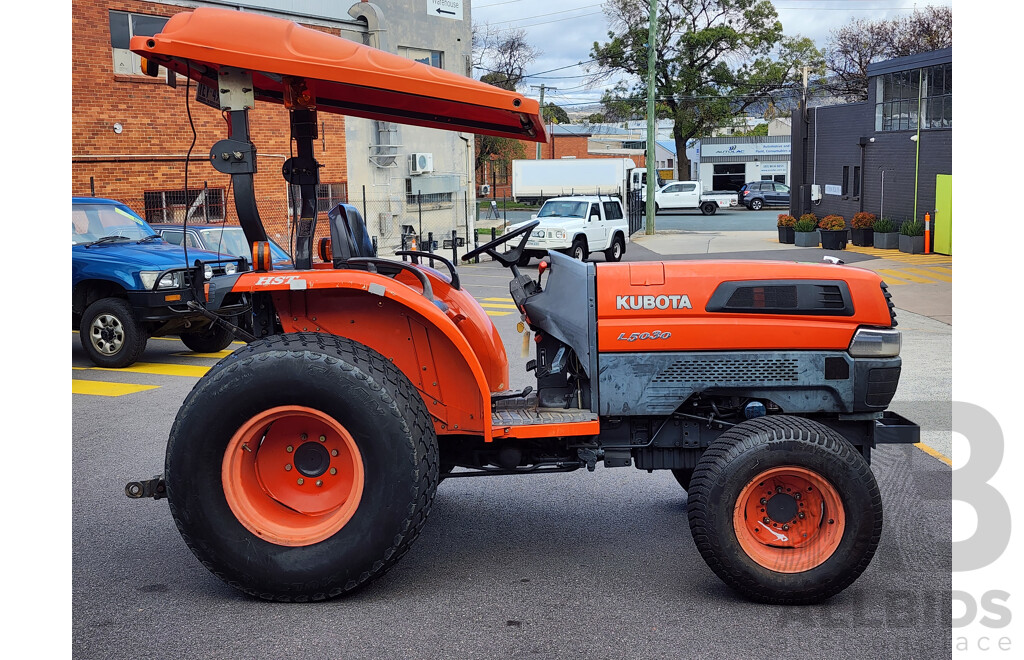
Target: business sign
[
  {"x": 833, "y": 190},
  {"x": 445, "y": 9},
  {"x": 746, "y": 149},
  {"x": 774, "y": 168}
]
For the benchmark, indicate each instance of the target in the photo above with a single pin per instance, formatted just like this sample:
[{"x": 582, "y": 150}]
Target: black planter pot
[
  {"x": 887, "y": 241},
  {"x": 805, "y": 238},
  {"x": 786, "y": 235},
  {"x": 833, "y": 239},
  {"x": 863, "y": 237}
]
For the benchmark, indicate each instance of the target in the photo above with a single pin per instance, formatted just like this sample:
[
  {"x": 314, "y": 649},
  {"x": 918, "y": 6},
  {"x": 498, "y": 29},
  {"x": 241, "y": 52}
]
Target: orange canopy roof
[{"x": 345, "y": 77}]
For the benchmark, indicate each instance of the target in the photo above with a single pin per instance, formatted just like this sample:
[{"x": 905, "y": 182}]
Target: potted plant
[
  {"x": 885, "y": 235},
  {"x": 912, "y": 237},
  {"x": 786, "y": 223},
  {"x": 833, "y": 232},
  {"x": 862, "y": 229},
  {"x": 805, "y": 231}
]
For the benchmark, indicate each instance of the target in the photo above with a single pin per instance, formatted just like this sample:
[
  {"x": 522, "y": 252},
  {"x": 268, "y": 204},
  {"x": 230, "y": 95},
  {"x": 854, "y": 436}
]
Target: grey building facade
[{"x": 882, "y": 155}]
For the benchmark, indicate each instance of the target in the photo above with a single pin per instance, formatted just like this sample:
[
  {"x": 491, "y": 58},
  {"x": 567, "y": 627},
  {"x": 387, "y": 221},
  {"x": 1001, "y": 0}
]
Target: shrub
[
  {"x": 810, "y": 217},
  {"x": 863, "y": 220},
  {"x": 884, "y": 226},
  {"x": 805, "y": 223},
  {"x": 832, "y": 222},
  {"x": 912, "y": 228},
  {"x": 786, "y": 220}
]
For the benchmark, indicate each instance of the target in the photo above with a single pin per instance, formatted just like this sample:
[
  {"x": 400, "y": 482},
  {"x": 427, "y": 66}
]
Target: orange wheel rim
[
  {"x": 292, "y": 475},
  {"x": 789, "y": 519}
]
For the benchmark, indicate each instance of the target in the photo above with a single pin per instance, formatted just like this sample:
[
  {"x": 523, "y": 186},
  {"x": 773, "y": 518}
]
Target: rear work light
[{"x": 875, "y": 342}]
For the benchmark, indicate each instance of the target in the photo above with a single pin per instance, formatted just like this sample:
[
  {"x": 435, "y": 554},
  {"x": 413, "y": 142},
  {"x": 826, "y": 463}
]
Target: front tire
[
  {"x": 756, "y": 204},
  {"x": 302, "y": 467},
  {"x": 211, "y": 339},
  {"x": 784, "y": 510},
  {"x": 578, "y": 251},
  {"x": 110, "y": 335},
  {"x": 615, "y": 252}
]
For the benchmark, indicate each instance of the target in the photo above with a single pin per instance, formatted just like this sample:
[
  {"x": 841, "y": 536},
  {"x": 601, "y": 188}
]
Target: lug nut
[
  {"x": 796, "y": 496},
  {"x": 301, "y": 481},
  {"x": 778, "y": 489},
  {"x": 766, "y": 521},
  {"x": 319, "y": 483},
  {"x": 334, "y": 452},
  {"x": 334, "y": 470},
  {"x": 288, "y": 467},
  {"x": 800, "y": 515},
  {"x": 763, "y": 501},
  {"x": 323, "y": 438},
  {"x": 289, "y": 449},
  {"x": 785, "y": 528},
  {"x": 303, "y": 436}
]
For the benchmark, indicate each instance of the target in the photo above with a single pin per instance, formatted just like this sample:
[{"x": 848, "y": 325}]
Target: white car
[
  {"x": 688, "y": 195},
  {"x": 578, "y": 226}
]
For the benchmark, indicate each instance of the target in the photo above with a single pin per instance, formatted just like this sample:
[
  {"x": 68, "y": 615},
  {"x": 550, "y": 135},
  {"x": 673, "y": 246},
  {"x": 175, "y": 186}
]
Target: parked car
[
  {"x": 578, "y": 226},
  {"x": 128, "y": 284},
  {"x": 223, "y": 239},
  {"x": 758, "y": 194}
]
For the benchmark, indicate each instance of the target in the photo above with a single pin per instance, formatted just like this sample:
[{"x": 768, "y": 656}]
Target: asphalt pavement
[{"x": 577, "y": 565}]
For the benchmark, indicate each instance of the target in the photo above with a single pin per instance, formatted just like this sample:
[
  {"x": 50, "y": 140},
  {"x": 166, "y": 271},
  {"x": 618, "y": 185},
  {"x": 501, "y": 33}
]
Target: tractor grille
[
  {"x": 882, "y": 386},
  {"x": 888, "y": 301},
  {"x": 731, "y": 371},
  {"x": 830, "y": 296}
]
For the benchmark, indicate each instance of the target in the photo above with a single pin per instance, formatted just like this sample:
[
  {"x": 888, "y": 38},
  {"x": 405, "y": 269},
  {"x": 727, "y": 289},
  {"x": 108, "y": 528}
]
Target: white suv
[{"x": 578, "y": 226}]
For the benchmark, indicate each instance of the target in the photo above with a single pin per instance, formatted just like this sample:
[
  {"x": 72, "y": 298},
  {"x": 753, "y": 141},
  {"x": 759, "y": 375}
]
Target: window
[
  {"x": 328, "y": 195},
  {"x": 433, "y": 200},
  {"x": 846, "y": 179},
  {"x": 856, "y": 181},
  {"x": 201, "y": 204},
  {"x": 124, "y": 26},
  {"x": 612, "y": 211},
  {"x": 897, "y": 99},
  {"x": 431, "y": 57}
]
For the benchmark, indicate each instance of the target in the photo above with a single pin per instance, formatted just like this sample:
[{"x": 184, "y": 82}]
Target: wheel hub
[
  {"x": 312, "y": 459},
  {"x": 781, "y": 508}
]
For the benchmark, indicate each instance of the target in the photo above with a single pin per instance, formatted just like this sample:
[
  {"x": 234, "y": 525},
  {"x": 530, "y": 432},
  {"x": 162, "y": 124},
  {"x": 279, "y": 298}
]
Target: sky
[{"x": 566, "y": 31}]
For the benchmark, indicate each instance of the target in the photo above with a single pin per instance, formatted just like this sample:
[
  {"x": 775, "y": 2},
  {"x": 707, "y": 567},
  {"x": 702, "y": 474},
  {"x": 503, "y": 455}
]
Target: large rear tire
[
  {"x": 301, "y": 467},
  {"x": 784, "y": 510},
  {"x": 110, "y": 335}
]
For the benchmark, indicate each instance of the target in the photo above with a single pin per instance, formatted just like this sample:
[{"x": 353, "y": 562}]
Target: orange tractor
[{"x": 303, "y": 466}]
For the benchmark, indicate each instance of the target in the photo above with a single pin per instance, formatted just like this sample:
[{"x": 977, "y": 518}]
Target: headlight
[
  {"x": 231, "y": 268},
  {"x": 538, "y": 233},
  {"x": 875, "y": 342},
  {"x": 207, "y": 271},
  {"x": 168, "y": 281}
]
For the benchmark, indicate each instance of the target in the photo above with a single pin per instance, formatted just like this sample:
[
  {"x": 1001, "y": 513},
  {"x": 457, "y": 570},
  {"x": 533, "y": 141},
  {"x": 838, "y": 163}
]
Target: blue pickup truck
[{"x": 128, "y": 285}]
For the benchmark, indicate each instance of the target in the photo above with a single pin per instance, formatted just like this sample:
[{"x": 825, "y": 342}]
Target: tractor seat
[{"x": 349, "y": 237}]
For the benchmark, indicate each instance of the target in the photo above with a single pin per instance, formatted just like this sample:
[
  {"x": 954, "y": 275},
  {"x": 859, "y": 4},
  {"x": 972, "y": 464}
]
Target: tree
[
  {"x": 504, "y": 55},
  {"x": 555, "y": 114},
  {"x": 852, "y": 47},
  {"x": 714, "y": 59}
]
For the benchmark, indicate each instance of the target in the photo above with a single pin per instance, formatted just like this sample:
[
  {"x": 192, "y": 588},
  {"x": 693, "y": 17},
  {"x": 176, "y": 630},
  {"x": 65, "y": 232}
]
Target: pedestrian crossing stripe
[
  {"x": 161, "y": 369},
  {"x": 498, "y": 306},
  {"x": 895, "y": 277},
  {"x": 101, "y": 388},
  {"x": 903, "y": 257},
  {"x": 931, "y": 272}
]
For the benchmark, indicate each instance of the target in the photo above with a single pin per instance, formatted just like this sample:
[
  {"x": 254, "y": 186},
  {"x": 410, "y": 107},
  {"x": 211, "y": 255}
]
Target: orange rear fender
[{"x": 395, "y": 319}]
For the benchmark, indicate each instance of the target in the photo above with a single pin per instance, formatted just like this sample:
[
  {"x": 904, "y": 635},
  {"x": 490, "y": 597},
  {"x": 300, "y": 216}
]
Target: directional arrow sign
[{"x": 451, "y": 9}]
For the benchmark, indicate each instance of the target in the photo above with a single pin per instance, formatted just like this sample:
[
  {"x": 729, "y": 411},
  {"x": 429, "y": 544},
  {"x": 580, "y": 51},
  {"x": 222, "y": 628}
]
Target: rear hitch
[{"x": 155, "y": 488}]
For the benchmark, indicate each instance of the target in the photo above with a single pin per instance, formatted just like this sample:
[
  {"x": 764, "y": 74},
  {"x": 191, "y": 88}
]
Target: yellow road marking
[
  {"x": 931, "y": 273},
  {"x": 504, "y": 300},
  {"x": 905, "y": 276},
  {"x": 493, "y": 313},
  {"x": 99, "y": 388},
  {"x": 161, "y": 369},
  {"x": 497, "y": 306},
  {"x": 944, "y": 269},
  {"x": 217, "y": 355},
  {"x": 936, "y": 454}
]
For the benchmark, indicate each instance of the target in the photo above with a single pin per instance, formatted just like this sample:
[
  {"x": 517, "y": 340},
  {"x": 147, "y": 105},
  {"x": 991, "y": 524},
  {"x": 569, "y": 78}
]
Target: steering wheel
[{"x": 510, "y": 258}]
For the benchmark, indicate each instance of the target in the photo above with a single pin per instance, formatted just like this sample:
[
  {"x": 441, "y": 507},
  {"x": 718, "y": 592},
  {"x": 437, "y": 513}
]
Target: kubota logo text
[
  {"x": 275, "y": 279},
  {"x": 672, "y": 301}
]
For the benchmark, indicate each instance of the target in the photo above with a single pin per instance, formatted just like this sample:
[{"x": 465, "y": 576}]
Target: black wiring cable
[{"x": 188, "y": 156}]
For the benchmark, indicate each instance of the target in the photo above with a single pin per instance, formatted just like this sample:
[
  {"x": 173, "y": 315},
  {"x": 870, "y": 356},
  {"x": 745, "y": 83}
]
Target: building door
[{"x": 729, "y": 176}]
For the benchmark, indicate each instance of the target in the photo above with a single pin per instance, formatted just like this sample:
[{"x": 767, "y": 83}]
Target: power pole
[
  {"x": 651, "y": 120},
  {"x": 542, "y": 88}
]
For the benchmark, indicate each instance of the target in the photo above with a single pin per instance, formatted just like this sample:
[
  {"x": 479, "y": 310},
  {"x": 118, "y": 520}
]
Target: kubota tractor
[{"x": 303, "y": 465}]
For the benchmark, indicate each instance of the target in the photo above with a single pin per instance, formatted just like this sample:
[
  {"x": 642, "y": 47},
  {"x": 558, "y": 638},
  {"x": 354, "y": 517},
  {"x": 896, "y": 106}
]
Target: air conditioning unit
[
  {"x": 485, "y": 190},
  {"x": 421, "y": 163}
]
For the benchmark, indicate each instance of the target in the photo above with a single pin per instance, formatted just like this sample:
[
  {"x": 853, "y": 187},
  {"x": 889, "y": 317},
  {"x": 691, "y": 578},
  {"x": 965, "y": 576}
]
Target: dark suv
[{"x": 758, "y": 194}]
